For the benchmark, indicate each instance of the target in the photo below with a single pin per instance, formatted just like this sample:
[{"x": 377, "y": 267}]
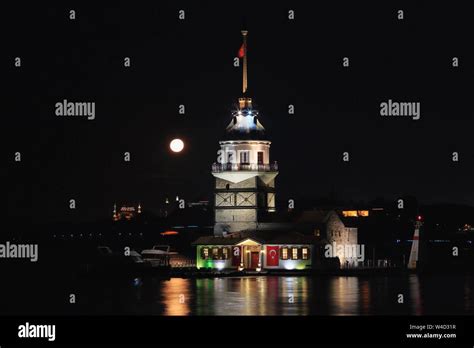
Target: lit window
[
  {"x": 245, "y": 157},
  {"x": 294, "y": 253},
  {"x": 305, "y": 253},
  {"x": 215, "y": 253},
  {"x": 284, "y": 254},
  {"x": 205, "y": 253},
  {"x": 363, "y": 213},
  {"x": 225, "y": 253}
]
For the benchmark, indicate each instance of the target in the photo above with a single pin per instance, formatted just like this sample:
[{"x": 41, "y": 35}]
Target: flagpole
[{"x": 244, "y": 78}]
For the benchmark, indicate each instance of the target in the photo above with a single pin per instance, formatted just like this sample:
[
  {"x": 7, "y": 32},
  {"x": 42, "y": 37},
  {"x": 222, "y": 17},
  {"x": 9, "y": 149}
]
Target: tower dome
[{"x": 245, "y": 124}]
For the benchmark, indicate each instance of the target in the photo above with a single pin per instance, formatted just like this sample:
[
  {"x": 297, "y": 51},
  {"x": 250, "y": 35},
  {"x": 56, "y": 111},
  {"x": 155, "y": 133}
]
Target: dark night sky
[{"x": 190, "y": 62}]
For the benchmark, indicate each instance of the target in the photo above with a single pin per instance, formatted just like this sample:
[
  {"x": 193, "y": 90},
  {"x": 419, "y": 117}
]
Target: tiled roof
[
  {"x": 211, "y": 240},
  {"x": 263, "y": 237}
]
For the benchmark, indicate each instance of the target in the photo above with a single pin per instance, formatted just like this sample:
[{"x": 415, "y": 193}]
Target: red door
[
  {"x": 236, "y": 250},
  {"x": 254, "y": 259}
]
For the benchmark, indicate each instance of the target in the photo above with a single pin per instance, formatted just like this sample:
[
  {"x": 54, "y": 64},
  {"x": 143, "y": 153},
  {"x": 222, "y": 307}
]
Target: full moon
[{"x": 176, "y": 145}]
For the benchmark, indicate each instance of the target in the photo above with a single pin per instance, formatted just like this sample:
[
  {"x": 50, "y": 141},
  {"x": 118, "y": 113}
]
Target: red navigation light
[{"x": 419, "y": 218}]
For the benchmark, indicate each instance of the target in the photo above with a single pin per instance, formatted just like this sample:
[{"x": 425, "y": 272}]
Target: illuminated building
[
  {"x": 355, "y": 213},
  {"x": 289, "y": 251},
  {"x": 126, "y": 212},
  {"x": 247, "y": 234}
]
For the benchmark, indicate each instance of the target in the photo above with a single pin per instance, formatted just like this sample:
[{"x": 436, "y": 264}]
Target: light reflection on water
[
  {"x": 251, "y": 296},
  {"x": 176, "y": 293},
  {"x": 345, "y": 295},
  {"x": 272, "y": 295},
  {"x": 417, "y": 307}
]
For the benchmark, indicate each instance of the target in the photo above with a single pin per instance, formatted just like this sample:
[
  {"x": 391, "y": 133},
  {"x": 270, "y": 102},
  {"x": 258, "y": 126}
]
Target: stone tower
[{"x": 245, "y": 177}]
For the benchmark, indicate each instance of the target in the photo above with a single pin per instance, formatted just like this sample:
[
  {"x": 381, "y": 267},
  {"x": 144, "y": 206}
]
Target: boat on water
[
  {"x": 102, "y": 260},
  {"x": 159, "y": 256}
]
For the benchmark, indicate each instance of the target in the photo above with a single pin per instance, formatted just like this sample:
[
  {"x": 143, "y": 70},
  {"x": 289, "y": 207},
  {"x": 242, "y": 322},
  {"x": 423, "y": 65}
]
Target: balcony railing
[{"x": 251, "y": 167}]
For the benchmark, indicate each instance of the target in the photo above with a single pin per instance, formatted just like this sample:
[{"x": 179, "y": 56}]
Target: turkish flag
[
  {"x": 273, "y": 253},
  {"x": 242, "y": 51}
]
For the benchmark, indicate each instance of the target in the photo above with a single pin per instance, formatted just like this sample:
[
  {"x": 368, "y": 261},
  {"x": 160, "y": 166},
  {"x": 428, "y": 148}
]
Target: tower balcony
[{"x": 244, "y": 167}]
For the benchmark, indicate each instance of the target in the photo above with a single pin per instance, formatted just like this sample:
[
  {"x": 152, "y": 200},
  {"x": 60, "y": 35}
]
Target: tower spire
[{"x": 244, "y": 77}]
